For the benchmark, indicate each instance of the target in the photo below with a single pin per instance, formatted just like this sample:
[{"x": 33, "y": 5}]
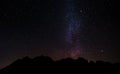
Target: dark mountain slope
[{"x": 44, "y": 65}]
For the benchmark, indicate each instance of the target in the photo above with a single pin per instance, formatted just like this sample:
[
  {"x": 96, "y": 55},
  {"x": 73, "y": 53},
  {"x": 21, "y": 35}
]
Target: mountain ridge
[{"x": 44, "y": 64}]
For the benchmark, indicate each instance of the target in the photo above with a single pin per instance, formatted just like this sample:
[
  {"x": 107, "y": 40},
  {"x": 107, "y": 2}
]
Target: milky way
[
  {"x": 72, "y": 22},
  {"x": 72, "y": 29}
]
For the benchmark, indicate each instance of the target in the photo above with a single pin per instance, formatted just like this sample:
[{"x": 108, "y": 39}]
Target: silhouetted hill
[{"x": 45, "y": 65}]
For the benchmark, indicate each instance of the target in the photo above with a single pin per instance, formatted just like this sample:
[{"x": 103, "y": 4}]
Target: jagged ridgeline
[{"x": 44, "y": 64}]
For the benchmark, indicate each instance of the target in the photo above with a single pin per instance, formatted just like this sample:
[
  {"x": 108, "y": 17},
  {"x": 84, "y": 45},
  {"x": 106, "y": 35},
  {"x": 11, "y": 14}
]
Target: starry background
[{"x": 59, "y": 29}]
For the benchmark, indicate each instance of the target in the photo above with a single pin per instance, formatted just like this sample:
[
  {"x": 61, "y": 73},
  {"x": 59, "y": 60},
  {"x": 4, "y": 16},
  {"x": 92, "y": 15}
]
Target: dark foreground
[{"x": 45, "y": 65}]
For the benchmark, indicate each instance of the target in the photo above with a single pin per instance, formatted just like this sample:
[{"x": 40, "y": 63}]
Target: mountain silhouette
[{"x": 45, "y": 65}]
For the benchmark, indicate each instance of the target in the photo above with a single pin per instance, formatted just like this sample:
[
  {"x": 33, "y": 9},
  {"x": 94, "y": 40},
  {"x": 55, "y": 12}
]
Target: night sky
[{"x": 59, "y": 29}]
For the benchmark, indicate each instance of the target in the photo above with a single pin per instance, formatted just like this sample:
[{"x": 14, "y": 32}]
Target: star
[
  {"x": 81, "y": 11},
  {"x": 101, "y": 51}
]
